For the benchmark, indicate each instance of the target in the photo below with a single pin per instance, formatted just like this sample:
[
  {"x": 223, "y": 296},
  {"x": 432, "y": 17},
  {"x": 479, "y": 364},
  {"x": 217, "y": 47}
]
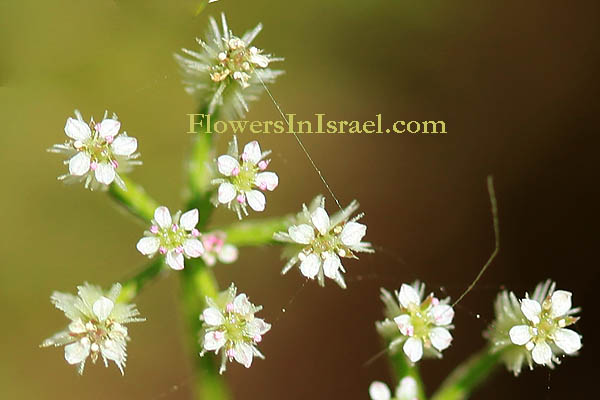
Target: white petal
[
  {"x": 148, "y": 245},
  {"x": 226, "y": 192},
  {"x": 241, "y": 305},
  {"x": 569, "y": 341},
  {"x": 124, "y": 145},
  {"x": 193, "y": 248},
  {"x": 542, "y": 353},
  {"x": 379, "y": 391},
  {"x": 252, "y": 152},
  {"x": 175, "y": 260},
  {"x": 331, "y": 265},
  {"x": 77, "y": 352},
  {"x": 520, "y": 334},
  {"x": 77, "y": 130},
  {"x": 214, "y": 340},
  {"x": 268, "y": 180},
  {"x": 105, "y": 173},
  {"x": 77, "y": 326},
  {"x": 189, "y": 219},
  {"x": 257, "y": 327},
  {"x": 404, "y": 324},
  {"x": 413, "y": 348},
  {"x": 442, "y": 314},
  {"x": 440, "y": 338},
  {"x": 256, "y": 200},
  {"x": 408, "y": 295},
  {"x": 79, "y": 164},
  {"x": 407, "y": 389},
  {"x": 103, "y": 307},
  {"x": 259, "y": 60},
  {"x": 303, "y": 234},
  {"x": 310, "y": 266},
  {"x": 162, "y": 216},
  {"x": 109, "y": 127},
  {"x": 112, "y": 351},
  {"x": 243, "y": 354},
  {"x": 226, "y": 164},
  {"x": 228, "y": 254},
  {"x": 320, "y": 220},
  {"x": 353, "y": 233},
  {"x": 561, "y": 303},
  {"x": 531, "y": 309},
  {"x": 212, "y": 316}
]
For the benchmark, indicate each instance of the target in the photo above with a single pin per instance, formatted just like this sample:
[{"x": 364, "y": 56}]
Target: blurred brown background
[{"x": 515, "y": 82}]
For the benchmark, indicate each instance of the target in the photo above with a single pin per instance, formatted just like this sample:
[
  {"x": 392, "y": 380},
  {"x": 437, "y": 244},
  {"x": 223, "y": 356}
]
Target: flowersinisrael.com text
[{"x": 319, "y": 125}]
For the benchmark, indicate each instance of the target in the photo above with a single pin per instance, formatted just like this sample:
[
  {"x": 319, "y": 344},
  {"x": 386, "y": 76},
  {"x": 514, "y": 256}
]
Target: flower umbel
[
  {"x": 317, "y": 241},
  {"x": 242, "y": 176},
  {"x": 533, "y": 329},
  {"x": 406, "y": 390},
  {"x": 420, "y": 326},
  {"x": 228, "y": 71},
  {"x": 97, "y": 152},
  {"x": 172, "y": 236},
  {"x": 216, "y": 249},
  {"x": 97, "y": 326},
  {"x": 230, "y": 327}
]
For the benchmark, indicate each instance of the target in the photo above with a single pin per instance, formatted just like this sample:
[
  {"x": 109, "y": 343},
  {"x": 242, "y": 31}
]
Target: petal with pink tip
[
  {"x": 174, "y": 260},
  {"x": 193, "y": 248},
  {"x": 226, "y": 164},
  {"x": 189, "y": 219},
  {"x": 268, "y": 180},
  {"x": 162, "y": 216},
  {"x": 109, "y": 127},
  {"x": 413, "y": 348},
  {"x": 252, "y": 152},
  {"x": 440, "y": 338}
]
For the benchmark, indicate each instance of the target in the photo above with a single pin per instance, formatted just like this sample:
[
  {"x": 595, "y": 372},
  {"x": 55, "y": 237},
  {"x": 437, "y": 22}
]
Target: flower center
[
  {"x": 172, "y": 237},
  {"x": 246, "y": 177},
  {"x": 98, "y": 148}
]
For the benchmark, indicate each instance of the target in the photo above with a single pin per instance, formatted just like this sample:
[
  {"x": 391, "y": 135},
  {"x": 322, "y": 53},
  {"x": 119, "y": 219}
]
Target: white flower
[
  {"x": 318, "y": 242},
  {"x": 230, "y": 327},
  {"x": 244, "y": 177},
  {"x": 97, "y": 152},
  {"x": 406, "y": 390},
  {"x": 216, "y": 249},
  {"x": 174, "y": 237},
  {"x": 227, "y": 72},
  {"x": 97, "y": 326},
  {"x": 421, "y": 327},
  {"x": 533, "y": 330}
]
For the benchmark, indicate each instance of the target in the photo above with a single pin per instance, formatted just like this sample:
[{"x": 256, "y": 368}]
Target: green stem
[
  {"x": 134, "y": 285},
  {"x": 468, "y": 376},
  {"x": 198, "y": 282},
  {"x": 134, "y": 198},
  {"x": 402, "y": 367},
  {"x": 255, "y": 233}
]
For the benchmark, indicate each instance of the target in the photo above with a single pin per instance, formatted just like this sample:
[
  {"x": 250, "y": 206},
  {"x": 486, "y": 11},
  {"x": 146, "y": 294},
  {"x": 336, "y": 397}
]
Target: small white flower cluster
[
  {"x": 97, "y": 327},
  {"x": 420, "y": 326},
  {"x": 217, "y": 249},
  {"x": 173, "y": 239},
  {"x": 242, "y": 176},
  {"x": 533, "y": 330},
  {"x": 406, "y": 390},
  {"x": 97, "y": 152},
  {"x": 231, "y": 328},
  {"x": 317, "y": 241},
  {"x": 228, "y": 71}
]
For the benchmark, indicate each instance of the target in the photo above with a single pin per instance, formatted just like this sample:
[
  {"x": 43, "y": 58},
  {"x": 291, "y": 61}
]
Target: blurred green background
[{"x": 516, "y": 83}]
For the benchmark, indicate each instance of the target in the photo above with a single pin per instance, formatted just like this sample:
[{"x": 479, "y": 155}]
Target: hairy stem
[
  {"x": 134, "y": 285},
  {"x": 402, "y": 367},
  {"x": 198, "y": 282},
  {"x": 255, "y": 233},
  {"x": 461, "y": 383},
  {"x": 134, "y": 199}
]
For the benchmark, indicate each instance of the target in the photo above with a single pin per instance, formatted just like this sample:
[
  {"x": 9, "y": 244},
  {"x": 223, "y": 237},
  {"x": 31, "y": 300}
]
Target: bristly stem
[
  {"x": 255, "y": 233},
  {"x": 402, "y": 367},
  {"x": 135, "y": 284},
  {"x": 467, "y": 377},
  {"x": 134, "y": 198},
  {"x": 197, "y": 280}
]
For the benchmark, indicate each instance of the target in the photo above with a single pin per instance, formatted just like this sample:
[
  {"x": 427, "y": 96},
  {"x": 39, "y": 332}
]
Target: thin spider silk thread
[
  {"x": 298, "y": 140},
  {"x": 494, "y": 206}
]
